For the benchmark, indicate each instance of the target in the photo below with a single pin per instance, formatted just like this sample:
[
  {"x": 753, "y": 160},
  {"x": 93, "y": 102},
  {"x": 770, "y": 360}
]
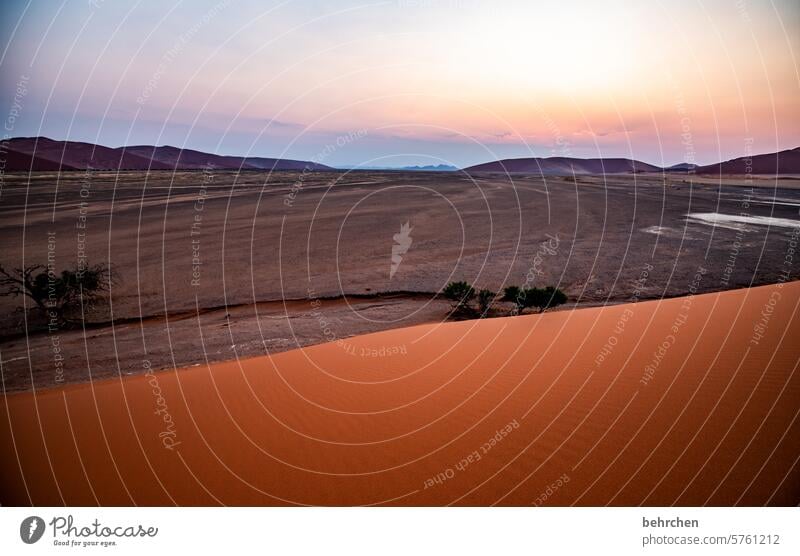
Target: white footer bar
[{"x": 400, "y": 531}]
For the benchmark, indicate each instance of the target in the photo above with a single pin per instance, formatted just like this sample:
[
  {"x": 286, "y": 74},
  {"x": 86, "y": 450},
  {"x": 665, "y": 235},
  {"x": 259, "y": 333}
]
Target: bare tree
[{"x": 57, "y": 296}]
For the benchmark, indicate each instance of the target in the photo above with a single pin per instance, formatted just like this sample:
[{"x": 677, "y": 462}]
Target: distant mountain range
[
  {"x": 563, "y": 166},
  {"x": 780, "y": 163},
  {"x": 682, "y": 167},
  {"x": 428, "y": 168},
  {"x": 43, "y": 154}
]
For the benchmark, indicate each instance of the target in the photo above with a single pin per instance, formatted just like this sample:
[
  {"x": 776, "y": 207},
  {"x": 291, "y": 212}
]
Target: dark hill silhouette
[
  {"x": 783, "y": 162},
  {"x": 780, "y": 163},
  {"x": 682, "y": 167},
  {"x": 76, "y": 155},
  {"x": 41, "y": 153},
  {"x": 20, "y": 161},
  {"x": 44, "y": 154},
  {"x": 563, "y": 166},
  {"x": 187, "y": 159}
]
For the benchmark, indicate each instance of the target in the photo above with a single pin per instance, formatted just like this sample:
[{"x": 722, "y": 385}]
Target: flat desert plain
[
  {"x": 688, "y": 401},
  {"x": 214, "y": 266},
  {"x": 281, "y": 340}
]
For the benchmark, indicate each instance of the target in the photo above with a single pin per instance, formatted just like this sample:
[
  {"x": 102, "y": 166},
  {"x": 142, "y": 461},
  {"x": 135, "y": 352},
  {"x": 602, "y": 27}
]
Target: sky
[{"x": 400, "y": 82}]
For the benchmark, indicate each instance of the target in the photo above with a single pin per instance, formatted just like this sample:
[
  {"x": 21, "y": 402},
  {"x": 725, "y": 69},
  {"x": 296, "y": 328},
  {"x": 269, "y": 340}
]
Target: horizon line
[{"x": 357, "y": 165}]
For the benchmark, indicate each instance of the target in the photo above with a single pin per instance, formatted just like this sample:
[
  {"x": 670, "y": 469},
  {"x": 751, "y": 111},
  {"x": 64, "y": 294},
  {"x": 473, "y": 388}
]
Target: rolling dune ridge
[{"x": 687, "y": 401}]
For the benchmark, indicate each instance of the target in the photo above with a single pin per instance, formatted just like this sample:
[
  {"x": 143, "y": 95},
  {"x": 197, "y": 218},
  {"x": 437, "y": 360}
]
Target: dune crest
[{"x": 688, "y": 401}]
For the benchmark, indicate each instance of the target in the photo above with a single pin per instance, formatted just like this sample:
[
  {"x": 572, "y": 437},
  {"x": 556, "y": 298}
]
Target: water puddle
[{"x": 739, "y": 222}]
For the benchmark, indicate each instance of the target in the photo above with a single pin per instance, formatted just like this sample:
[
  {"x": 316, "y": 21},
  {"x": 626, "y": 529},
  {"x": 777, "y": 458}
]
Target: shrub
[
  {"x": 513, "y": 294},
  {"x": 485, "y": 298},
  {"x": 551, "y": 297},
  {"x": 460, "y": 293},
  {"x": 541, "y": 299}
]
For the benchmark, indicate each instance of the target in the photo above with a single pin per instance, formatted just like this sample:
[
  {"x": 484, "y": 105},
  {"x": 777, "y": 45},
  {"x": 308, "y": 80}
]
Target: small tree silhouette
[
  {"x": 550, "y": 297},
  {"x": 57, "y": 295},
  {"x": 485, "y": 298},
  {"x": 542, "y": 299},
  {"x": 460, "y": 293},
  {"x": 515, "y": 295}
]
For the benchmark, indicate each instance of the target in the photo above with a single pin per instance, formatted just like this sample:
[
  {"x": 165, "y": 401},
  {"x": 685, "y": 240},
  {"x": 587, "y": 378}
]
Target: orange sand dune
[{"x": 573, "y": 407}]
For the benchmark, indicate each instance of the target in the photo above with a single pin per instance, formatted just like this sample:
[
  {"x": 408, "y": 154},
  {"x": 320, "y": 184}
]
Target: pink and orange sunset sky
[{"x": 414, "y": 82}]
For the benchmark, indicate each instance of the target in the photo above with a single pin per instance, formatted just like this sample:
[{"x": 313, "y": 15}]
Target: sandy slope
[{"x": 716, "y": 423}]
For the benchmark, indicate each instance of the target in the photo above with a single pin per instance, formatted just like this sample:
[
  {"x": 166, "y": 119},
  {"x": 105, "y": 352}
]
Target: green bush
[
  {"x": 541, "y": 299},
  {"x": 460, "y": 293},
  {"x": 513, "y": 294},
  {"x": 485, "y": 298},
  {"x": 552, "y": 297}
]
